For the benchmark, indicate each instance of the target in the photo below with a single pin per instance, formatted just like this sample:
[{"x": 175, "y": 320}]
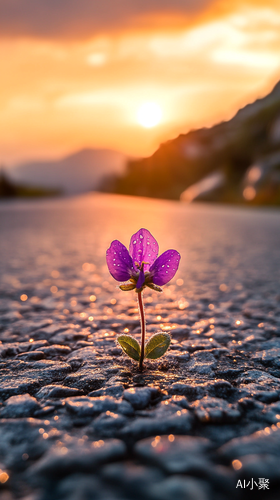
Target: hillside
[
  {"x": 10, "y": 189},
  {"x": 77, "y": 173},
  {"x": 237, "y": 160}
]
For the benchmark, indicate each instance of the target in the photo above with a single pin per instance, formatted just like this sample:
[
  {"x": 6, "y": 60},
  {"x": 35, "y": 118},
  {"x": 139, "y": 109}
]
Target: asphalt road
[{"x": 77, "y": 419}]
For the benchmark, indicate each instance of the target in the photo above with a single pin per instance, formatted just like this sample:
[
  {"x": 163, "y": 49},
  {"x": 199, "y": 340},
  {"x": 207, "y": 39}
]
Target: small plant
[{"x": 138, "y": 268}]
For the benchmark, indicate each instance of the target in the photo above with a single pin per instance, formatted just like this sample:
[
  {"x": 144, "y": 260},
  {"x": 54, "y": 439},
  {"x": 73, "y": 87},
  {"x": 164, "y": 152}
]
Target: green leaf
[
  {"x": 157, "y": 345},
  {"x": 130, "y": 346}
]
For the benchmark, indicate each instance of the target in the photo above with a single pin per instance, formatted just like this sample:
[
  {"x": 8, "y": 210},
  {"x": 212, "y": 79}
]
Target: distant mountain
[
  {"x": 11, "y": 189},
  {"x": 82, "y": 171},
  {"x": 236, "y": 161}
]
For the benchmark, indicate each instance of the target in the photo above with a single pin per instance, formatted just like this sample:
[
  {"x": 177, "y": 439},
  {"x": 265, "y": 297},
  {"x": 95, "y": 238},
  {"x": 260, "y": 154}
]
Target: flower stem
[{"x": 143, "y": 329}]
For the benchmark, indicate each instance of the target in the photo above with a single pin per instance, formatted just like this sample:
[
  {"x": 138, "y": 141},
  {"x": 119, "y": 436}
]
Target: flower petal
[
  {"x": 165, "y": 267},
  {"x": 119, "y": 261},
  {"x": 141, "y": 280},
  {"x": 143, "y": 248}
]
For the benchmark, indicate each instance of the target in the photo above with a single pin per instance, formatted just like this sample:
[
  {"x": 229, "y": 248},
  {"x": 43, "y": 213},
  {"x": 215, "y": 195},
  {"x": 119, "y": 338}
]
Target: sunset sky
[{"x": 75, "y": 74}]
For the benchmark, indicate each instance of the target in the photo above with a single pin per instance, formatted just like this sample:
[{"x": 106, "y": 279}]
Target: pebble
[
  {"x": 215, "y": 410},
  {"x": 177, "y": 356},
  {"x": 57, "y": 391},
  {"x": 115, "y": 390},
  {"x": 271, "y": 413},
  {"x": 19, "y": 406},
  {"x": 78, "y": 487},
  {"x": 45, "y": 333},
  {"x": 32, "y": 356},
  {"x": 175, "y": 454},
  {"x": 269, "y": 357},
  {"x": 259, "y": 465},
  {"x": 140, "y": 397},
  {"x": 193, "y": 345},
  {"x": 188, "y": 390},
  {"x": 84, "y": 355},
  {"x": 85, "y": 380},
  {"x": 181, "y": 488},
  {"x": 135, "y": 477},
  {"x": 219, "y": 388},
  {"x": 67, "y": 458},
  {"x": 263, "y": 442},
  {"x": 55, "y": 350},
  {"x": 17, "y": 385},
  {"x": 202, "y": 362},
  {"x": 177, "y": 423},
  {"x": 260, "y": 385},
  {"x": 108, "y": 424},
  {"x": 68, "y": 336},
  {"x": 85, "y": 406}
]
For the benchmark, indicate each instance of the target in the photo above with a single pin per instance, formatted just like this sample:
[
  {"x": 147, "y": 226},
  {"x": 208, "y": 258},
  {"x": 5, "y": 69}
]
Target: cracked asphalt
[{"x": 78, "y": 421}]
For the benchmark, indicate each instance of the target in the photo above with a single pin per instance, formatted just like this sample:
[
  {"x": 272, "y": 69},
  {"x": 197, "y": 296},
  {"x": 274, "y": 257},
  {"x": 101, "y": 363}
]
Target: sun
[{"x": 149, "y": 114}]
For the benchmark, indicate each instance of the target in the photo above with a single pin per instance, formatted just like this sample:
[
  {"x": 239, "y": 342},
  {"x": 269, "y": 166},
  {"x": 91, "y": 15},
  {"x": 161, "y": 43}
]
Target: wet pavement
[{"x": 78, "y": 421}]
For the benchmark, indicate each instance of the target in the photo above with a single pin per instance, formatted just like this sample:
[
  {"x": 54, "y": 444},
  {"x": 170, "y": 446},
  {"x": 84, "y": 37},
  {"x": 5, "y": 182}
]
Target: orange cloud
[
  {"x": 58, "y": 95},
  {"x": 86, "y": 18}
]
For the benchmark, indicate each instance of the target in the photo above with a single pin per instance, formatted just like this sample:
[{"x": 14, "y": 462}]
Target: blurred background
[{"x": 169, "y": 99}]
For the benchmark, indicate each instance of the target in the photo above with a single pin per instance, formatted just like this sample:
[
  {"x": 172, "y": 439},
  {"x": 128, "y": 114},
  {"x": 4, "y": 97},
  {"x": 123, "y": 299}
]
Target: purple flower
[{"x": 141, "y": 265}]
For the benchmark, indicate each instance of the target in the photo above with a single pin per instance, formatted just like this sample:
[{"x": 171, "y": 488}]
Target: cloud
[
  {"x": 80, "y": 74},
  {"x": 85, "y": 18}
]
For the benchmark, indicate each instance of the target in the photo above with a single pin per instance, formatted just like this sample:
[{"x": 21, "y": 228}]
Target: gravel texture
[{"x": 78, "y": 421}]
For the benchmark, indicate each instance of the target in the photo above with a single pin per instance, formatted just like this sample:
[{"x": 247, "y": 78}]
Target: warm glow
[
  {"x": 149, "y": 114},
  {"x": 236, "y": 464},
  {"x": 3, "y": 477},
  {"x": 131, "y": 78},
  {"x": 249, "y": 193}
]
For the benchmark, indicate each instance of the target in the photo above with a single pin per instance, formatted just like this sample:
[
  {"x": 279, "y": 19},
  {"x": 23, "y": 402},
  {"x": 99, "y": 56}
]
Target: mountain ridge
[
  {"x": 231, "y": 147},
  {"x": 77, "y": 172}
]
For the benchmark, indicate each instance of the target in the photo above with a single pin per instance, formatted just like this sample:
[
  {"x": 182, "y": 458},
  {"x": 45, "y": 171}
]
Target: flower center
[{"x": 140, "y": 267}]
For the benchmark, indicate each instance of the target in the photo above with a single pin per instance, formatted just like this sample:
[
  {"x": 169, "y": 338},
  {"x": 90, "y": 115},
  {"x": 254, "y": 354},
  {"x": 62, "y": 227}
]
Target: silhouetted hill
[
  {"x": 77, "y": 173},
  {"x": 10, "y": 189},
  {"x": 222, "y": 156}
]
